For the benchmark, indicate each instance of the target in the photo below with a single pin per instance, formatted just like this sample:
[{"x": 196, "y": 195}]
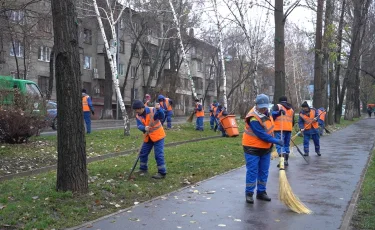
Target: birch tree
[
  {"x": 177, "y": 22},
  {"x": 221, "y": 53},
  {"x": 111, "y": 49}
]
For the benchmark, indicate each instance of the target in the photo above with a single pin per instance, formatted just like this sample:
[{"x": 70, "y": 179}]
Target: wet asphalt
[{"x": 326, "y": 185}]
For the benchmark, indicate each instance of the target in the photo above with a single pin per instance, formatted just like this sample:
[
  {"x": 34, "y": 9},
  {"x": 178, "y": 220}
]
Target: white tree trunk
[
  {"x": 113, "y": 62},
  {"x": 221, "y": 55},
  {"x": 176, "y": 21}
]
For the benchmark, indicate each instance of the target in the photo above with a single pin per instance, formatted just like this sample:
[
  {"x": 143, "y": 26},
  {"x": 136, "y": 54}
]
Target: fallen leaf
[
  {"x": 129, "y": 211},
  {"x": 183, "y": 215},
  {"x": 208, "y": 198},
  {"x": 35, "y": 197},
  {"x": 174, "y": 212},
  {"x": 163, "y": 219},
  {"x": 204, "y": 212},
  {"x": 117, "y": 205},
  {"x": 134, "y": 219},
  {"x": 2, "y": 206},
  {"x": 136, "y": 202},
  {"x": 238, "y": 220},
  {"x": 222, "y": 225},
  {"x": 210, "y": 192},
  {"x": 193, "y": 221},
  {"x": 277, "y": 220},
  {"x": 179, "y": 227},
  {"x": 196, "y": 191}
]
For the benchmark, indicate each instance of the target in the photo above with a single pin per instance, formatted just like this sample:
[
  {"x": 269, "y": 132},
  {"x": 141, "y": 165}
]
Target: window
[
  {"x": 134, "y": 93},
  {"x": 33, "y": 91},
  {"x": 121, "y": 69},
  {"x": 122, "y": 46},
  {"x": 16, "y": 16},
  {"x": 199, "y": 66},
  {"x": 45, "y": 25},
  {"x": 87, "y": 64},
  {"x": 44, "y": 53},
  {"x": 43, "y": 84},
  {"x": 133, "y": 72},
  {"x": 135, "y": 27},
  {"x": 87, "y": 36},
  {"x": 16, "y": 48}
]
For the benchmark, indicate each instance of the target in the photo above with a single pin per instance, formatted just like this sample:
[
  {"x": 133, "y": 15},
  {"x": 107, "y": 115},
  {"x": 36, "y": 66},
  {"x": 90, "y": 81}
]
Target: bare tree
[{"x": 319, "y": 82}]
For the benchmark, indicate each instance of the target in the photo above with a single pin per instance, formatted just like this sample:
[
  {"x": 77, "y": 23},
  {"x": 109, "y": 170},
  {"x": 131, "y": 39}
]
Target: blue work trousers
[
  {"x": 257, "y": 172},
  {"x": 306, "y": 140},
  {"x": 213, "y": 122},
  {"x": 87, "y": 117},
  {"x": 159, "y": 155},
  {"x": 199, "y": 124},
  {"x": 168, "y": 118},
  {"x": 286, "y": 138}
]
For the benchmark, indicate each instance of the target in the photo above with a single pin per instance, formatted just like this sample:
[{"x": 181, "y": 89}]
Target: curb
[{"x": 350, "y": 210}]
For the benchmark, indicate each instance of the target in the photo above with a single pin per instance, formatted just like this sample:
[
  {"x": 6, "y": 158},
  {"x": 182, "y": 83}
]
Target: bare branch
[{"x": 291, "y": 8}]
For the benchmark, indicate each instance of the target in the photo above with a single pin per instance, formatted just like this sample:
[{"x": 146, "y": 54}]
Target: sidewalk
[{"x": 326, "y": 186}]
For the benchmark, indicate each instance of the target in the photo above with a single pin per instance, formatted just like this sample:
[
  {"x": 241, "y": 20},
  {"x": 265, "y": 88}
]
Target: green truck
[{"x": 10, "y": 86}]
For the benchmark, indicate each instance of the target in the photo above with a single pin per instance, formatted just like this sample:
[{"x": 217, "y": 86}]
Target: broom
[
  {"x": 274, "y": 153},
  {"x": 296, "y": 135},
  {"x": 190, "y": 119},
  {"x": 286, "y": 195}
]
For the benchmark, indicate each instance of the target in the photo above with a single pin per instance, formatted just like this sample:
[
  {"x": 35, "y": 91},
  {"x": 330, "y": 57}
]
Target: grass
[
  {"x": 42, "y": 151},
  {"x": 32, "y": 202},
  {"x": 364, "y": 217}
]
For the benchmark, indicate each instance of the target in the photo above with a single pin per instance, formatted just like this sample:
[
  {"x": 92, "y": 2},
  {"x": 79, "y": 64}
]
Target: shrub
[{"x": 21, "y": 117}]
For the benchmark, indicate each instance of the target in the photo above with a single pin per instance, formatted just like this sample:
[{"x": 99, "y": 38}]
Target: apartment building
[{"x": 27, "y": 41}]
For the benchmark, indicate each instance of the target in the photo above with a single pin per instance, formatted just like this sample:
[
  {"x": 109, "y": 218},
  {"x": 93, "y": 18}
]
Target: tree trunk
[
  {"x": 108, "y": 91},
  {"x": 338, "y": 104},
  {"x": 279, "y": 50},
  {"x": 71, "y": 143},
  {"x": 51, "y": 74},
  {"x": 319, "y": 82},
  {"x": 352, "y": 94}
]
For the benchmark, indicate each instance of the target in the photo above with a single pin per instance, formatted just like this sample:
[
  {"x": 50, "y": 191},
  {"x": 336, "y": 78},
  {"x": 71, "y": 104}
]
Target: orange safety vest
[
  {"x": 85, "y": 104},
  {"x": 213, "y": 108},
  {"x": 156, "y": 130},
  {"x": 220, "y": 116},
  {"x": 199, "y": 113},
  {"x": 309, "y": 120},
  {"x": 286, "y": 120},
  {"x": 166, "y": 105},
  {"x": 322, "y": 115},
  {"x": 249, "y": 138}
]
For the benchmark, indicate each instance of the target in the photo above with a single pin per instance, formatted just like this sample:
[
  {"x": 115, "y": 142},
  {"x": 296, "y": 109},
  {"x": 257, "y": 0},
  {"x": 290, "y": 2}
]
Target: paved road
[{"x": 326, "y": 186}]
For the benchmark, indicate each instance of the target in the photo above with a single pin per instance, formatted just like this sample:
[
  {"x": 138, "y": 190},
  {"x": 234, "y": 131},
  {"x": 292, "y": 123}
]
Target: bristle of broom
[
  {"x": 286, "y": 195},
  {"x": 190, "y": 119},
  {"x": 291, "y": 154}
]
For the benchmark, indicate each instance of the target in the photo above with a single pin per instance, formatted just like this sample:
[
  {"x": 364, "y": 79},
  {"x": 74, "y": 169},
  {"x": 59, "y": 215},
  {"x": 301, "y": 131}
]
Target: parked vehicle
[{"x": 52, "y": 114}]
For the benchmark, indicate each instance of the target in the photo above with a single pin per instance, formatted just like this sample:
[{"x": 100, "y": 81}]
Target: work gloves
[
  {"x": 93, "y": 113},
  {"x": 282, "y": 112},
  {"x": 280, "y": 142}
]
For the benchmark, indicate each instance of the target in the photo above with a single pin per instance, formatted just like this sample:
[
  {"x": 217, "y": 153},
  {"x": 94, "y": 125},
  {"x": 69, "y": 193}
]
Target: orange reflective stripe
[
  {"x": 309, "y": 120},
  {"x": 165, "y": 104},
  {"x": 199, "y": 113}
]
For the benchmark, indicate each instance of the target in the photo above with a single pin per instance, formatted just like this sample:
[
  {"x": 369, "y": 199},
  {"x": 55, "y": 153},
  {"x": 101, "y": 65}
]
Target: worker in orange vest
[
  {"x": 166, "y": 105},
  {"x": 220, "y": 114},
  {"x": 148, "y": 121},
  {"x": 284, "y": 121},
  {"x": 199, "y": 113},
  {"x": 321, "y": 120},
  {"x": 257, "y": 142},
  {"x": 309, "y": 126},
  {"x": 88, "y": 109},
  {"x": 213, "y": 108}
]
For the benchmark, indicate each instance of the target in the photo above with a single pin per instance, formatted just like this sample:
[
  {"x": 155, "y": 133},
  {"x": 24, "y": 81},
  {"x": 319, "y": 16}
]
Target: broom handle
[
  {"x": 309, "y": 123},
  {"x": 282, "y": 122}
]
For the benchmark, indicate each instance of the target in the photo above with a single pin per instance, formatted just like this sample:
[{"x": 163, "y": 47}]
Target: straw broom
[
  {"x": 190, "y": 119},
  {"x": 286, "y": 195}
]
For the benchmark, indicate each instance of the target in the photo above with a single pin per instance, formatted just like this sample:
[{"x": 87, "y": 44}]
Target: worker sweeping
[
  {"x": 148, "y": 121},
  {"x": 199, "y": 113},
  {"x": 309, "y": 126},
  {"x": 213, "y": 108},
  {"x": 257, "y": 144},
  {"x": 321, "y": 120},
  {"x": 283, "y": 114},
  {"x": 220, "y": 114},
  {"x": 166, "y": 105}
]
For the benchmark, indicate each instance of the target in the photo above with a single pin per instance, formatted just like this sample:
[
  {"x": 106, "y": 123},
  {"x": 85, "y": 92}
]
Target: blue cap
[{"x": 262, "y": 101}]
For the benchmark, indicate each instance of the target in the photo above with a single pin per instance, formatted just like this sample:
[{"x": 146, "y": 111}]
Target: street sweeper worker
[
  {"x": 321, "y": 120},
  {"x": 283, "y": 114},
  {"x": 199, "y": 113},
  {"x": 148, "y": 121},
  {"x": 257, "y": 143},
  {"x": 166, "y": 105},
  {"x": 221, "y": 113},
  {"x": 309, "y": 126},
  {"x": 147, "y": 100},
  {"x": 213, "y": 108}
]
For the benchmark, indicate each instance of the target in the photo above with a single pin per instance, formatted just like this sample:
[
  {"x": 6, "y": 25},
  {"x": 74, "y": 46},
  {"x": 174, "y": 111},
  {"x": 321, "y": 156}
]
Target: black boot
[
  {"x": 306, "y": 154},
  {"x": 286, "y": 157},
  {"x": 263, "y": 196},
  {"x": 318, "y": 153},
  {"x": 249, "y": 198}
]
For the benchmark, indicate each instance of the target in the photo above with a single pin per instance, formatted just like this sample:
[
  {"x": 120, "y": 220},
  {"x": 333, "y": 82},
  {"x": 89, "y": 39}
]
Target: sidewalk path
[{"x": 326, "y": 186}]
